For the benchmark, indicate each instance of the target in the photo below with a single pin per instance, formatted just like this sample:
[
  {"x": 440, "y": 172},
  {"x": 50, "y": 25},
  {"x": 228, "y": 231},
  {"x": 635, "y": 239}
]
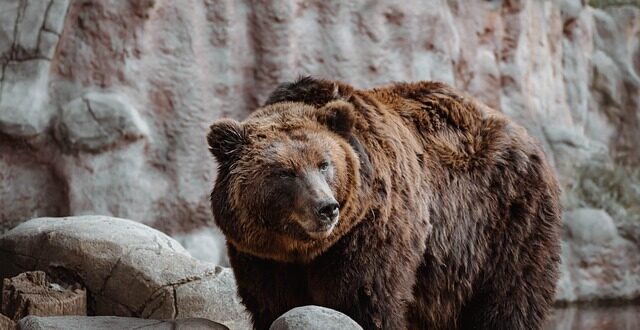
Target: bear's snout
[
  {"x": 328, "y": 211},
  {"x": 326, "y": 214}
]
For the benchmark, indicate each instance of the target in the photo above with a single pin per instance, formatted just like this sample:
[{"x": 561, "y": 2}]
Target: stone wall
[{"x": 104, "y": 105}]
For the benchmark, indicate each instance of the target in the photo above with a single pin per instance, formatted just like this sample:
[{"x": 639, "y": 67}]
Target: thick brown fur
[{"x": 449, "y": 212}]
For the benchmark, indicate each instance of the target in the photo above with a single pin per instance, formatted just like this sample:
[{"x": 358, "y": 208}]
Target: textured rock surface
[
  {"x": 29, "y": 34},
  {"x": 112, "y": 322},
  {"x": 566, "y": 70},
  {"x": 594, "y": 318},
  {"x": 98, "y": 121},
  {"x": 32, "y": 293},
  {"x": 314, "y": 318},
  {"x": 598, "y": 263},
  {"x": 128, "y": 268},
  {"x": 207, "y": 244}
]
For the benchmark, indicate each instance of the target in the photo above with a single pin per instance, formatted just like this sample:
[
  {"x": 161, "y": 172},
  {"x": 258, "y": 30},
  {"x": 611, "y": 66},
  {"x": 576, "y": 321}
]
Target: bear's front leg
[
  {"x": 268, "y": 288},
  {"x": 368, "y": 277}
]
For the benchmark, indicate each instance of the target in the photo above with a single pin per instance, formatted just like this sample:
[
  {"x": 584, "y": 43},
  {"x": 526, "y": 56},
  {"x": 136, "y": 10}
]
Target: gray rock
[
  {"x": 206, "y": 244},
  {"x": 24, "y": 110},
  {"x": 97, "y": 121},
  {"x": 129, "y": 269},
  {"x": 29, "y": 34},
  {"x": 56, "y": 14},
  {"x": 314, "y": 318},
  {"x": 113, "y": 322},
  {"x": 23, "y": 21},
  {"x": 597, "y": 263},
  {"x": 608, "y": 78},
  {"x": 590, "y": 226}
]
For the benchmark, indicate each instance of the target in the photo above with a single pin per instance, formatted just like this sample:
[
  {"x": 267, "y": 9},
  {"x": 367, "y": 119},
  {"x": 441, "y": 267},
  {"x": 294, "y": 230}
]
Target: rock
[
  {"x": 590, "y": 226},
  {"x": 56, "y": 13},
  {"x": 113, "y": 322},
  {"x": 41, "y": 190},
  {"x": 31, "y": 293},
  {"x": 24, "y": 22},
  {"x": 206, "y": 244},
  {"x": 607, "y": 77},
  {"x": 571, "y": 8},
  {"x": 597, "y": 263},
  {"x": 23, "y": 98},
  {"x": 314, "y": 318},
  {"x": 106, "y": 254},
  {"x": 29, "y": 34},
  {"x": 97, "y": 121}
]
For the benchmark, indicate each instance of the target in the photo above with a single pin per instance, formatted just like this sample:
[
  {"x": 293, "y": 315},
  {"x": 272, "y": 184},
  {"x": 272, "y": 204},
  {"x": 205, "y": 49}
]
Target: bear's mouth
[
  {"x": 320, "y": 234},
  {"x": 320, "y": 230}
]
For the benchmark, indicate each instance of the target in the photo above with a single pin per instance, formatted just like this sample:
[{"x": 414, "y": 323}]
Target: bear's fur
[{"x": 448, "y": 211}]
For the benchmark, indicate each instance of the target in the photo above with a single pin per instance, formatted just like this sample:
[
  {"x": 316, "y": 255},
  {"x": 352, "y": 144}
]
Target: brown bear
[{"x": 409, "y": 206}]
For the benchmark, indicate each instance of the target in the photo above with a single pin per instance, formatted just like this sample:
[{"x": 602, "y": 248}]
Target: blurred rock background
[{"x": 105, "y": 104}]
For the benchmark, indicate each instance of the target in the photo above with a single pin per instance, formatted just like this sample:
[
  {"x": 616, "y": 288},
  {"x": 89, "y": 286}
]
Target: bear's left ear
[
  {"x": 338, "y": 116},
  {"x": 225, "y": 138}
]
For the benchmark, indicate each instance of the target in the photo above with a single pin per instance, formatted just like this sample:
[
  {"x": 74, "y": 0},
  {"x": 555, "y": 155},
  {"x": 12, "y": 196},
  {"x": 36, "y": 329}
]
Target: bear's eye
[
  {"x": 324, "y": 166},
  {"x": 286, "y": 174}
]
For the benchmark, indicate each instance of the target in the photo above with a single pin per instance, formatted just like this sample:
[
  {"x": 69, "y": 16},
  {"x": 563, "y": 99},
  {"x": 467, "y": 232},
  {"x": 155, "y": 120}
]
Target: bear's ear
[
  {"x": 338, "y": 116},
  {"x": 226, "y": 137}
]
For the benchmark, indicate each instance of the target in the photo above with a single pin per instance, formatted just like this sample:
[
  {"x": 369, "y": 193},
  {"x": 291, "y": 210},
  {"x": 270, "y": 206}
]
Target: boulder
[
  {"x": 98, "y": 121},
  {"x": 128, "y": 268},
  {"x": 314, "y": 318},
  {"x": 590, "y": 226}
]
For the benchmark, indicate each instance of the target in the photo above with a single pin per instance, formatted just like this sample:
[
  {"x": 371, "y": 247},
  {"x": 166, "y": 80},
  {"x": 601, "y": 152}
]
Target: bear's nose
[{"x": 328, "y": 211}]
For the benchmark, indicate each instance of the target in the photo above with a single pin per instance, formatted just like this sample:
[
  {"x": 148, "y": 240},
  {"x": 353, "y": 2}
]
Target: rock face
[
  {"x": 128, "y": 268},
  {"x": 599, "y": 264},
  {"x": 314, "y": 318},
  {"x": 104, "y": 105}
]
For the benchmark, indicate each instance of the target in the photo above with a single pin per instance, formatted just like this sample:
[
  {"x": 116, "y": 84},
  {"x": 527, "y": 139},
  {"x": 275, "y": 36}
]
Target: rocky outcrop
[
  {"x": 128, "y": 268},
  {"x": 104, "y": 104},
  {"x": 29, "y": 34},
  {"x": 314, "y": 318},
  {"x": 98, "y": 121},
  {"x": 598, "y": 263}
]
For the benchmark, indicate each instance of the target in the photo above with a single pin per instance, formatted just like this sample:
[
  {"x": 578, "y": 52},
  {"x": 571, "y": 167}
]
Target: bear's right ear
[
  {"x": 338, "y": 116},
  {"x": 226, "y": 137}
]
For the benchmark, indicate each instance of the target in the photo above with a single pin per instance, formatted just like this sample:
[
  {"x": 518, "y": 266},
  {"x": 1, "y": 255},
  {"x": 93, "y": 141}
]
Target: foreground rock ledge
[
  {"x": 128, "y": 268},
  {"x": 113, "y": 322}
]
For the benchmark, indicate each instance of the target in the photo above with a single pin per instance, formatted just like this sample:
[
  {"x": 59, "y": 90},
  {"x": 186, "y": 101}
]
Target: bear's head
[{"x": 287, "y": 177}]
